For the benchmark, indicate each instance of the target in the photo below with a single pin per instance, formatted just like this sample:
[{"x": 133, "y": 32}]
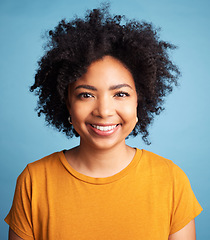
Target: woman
[{"x": 103, "y": 80}]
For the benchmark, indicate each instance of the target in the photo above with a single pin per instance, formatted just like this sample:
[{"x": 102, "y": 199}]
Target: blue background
[{"x": 180, "y": 133}]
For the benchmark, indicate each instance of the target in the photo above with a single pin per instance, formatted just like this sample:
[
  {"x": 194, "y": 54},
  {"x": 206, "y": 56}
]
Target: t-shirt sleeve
[
  {"x": 185, "y": 205},
  {"x": 19, "y": 217}
]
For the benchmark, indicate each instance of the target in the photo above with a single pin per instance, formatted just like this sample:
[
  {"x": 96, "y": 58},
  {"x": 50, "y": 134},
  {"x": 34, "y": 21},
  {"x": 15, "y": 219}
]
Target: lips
[{"x": 104, "y": 128}]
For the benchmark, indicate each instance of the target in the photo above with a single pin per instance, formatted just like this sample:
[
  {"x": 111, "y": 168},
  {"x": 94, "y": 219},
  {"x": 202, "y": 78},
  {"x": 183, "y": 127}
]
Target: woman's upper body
[
  {"x": 102, "y": 81},
  {"x": 151, "y": 198}
]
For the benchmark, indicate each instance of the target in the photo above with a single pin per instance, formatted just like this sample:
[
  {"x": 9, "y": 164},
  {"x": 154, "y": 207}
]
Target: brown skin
[
  {"x": 106, "y": 97},
  {"x": 186, "y": 233},
  {"x": 13, "y": 235}
]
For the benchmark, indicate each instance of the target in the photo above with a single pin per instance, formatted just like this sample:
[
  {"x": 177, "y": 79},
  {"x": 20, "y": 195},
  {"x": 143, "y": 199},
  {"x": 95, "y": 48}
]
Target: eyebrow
[
  {"x": 89, "y": 87},
  {"x": 119, "y": 86},
  {"x": 114, "y": 87}
]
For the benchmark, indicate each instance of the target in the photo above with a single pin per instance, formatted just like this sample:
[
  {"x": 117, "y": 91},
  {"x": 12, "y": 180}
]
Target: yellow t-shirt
[{"x": 149, "y": 200}]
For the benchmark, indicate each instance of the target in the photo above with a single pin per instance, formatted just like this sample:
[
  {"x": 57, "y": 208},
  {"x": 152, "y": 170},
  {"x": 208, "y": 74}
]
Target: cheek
[
  {"x": 79, "y": 112},
  {"x": 129, "y": 112},
  {"x": 76, "y": 116}
]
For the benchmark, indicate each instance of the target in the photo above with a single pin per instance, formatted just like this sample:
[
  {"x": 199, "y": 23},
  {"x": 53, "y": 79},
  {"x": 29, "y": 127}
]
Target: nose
[{"x": 104, "y": 107}]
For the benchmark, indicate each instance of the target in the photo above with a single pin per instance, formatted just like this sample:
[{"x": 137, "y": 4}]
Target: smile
[{"x": 104, "y": 128}]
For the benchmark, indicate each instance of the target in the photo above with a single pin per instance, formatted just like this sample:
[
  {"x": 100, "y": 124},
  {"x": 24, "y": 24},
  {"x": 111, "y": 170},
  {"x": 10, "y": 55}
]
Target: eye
[
  {"x": 122, "y": 94},
  {"x": 85, "y": 95}
]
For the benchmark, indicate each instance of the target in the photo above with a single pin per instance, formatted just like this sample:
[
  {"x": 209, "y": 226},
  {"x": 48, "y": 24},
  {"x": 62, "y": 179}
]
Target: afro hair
[{"x": 73, "y": 45}]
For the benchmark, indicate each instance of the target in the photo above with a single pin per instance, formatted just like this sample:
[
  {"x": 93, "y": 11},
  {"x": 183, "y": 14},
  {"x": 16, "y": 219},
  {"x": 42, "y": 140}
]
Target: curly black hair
[{"x": 73, "y": 45}]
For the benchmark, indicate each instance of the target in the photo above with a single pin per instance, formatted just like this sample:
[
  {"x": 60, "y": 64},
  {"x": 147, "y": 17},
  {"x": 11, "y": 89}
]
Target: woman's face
[{"x": 102, "y": 104}]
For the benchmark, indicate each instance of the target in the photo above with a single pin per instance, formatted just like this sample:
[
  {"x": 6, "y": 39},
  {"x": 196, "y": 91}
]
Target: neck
[{"x": 100, "y": 163}]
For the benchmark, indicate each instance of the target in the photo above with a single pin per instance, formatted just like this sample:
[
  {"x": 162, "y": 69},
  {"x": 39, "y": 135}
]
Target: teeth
[{"x": 104, "y": 128}]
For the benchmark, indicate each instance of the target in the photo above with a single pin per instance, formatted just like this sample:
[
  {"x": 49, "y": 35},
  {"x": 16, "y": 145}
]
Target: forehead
[{"x": 106, "y": 72}]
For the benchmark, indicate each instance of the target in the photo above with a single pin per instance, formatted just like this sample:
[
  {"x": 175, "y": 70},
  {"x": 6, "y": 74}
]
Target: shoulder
[
  {"x": 155, "y": 160},
  {"x": 164, "y": 166},
  {"x": 48, "y": 161},
  {"x": 41, "y": 166},
  {"x": 41, "y": 173}
]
